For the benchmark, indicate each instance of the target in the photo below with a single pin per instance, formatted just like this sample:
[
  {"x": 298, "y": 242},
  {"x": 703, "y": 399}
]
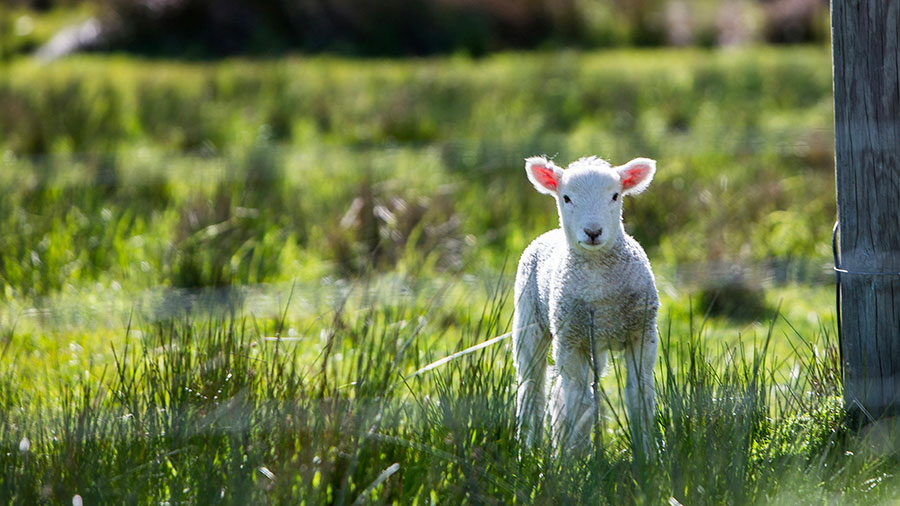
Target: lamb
[{"x": 586, "y": 276}]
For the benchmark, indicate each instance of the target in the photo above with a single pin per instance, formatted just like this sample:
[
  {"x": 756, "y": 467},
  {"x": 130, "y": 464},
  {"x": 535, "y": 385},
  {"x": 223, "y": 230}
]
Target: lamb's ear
[
  {"x": 636, "y": 175},
  {"x": 543, "y": 174}
]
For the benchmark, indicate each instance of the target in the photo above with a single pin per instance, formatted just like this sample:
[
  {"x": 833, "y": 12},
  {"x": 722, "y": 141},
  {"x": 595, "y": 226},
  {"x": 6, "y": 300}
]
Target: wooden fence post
[{"x": 866, "y": 51}]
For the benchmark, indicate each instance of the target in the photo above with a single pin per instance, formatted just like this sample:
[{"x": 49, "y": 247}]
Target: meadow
[{"x": 217, "y": 280}]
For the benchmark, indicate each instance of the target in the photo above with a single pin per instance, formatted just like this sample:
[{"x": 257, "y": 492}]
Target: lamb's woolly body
[
  {"x": 558, "y": 285},
  {"x": 618, "y": 285}
]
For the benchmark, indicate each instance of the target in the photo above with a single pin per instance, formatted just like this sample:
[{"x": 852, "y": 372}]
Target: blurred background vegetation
[
  {"x": 208, "y": 28},
  {"x": 245, "y": 171},
  {"x": 160, "y": 163}
]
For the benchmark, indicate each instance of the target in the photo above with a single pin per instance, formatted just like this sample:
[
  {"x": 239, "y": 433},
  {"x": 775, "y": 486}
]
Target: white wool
[{"x": 588, "y": 265}]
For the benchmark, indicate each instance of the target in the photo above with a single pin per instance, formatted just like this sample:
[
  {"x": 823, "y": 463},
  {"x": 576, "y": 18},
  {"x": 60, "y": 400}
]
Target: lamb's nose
[{"x": 593, "y": 234}]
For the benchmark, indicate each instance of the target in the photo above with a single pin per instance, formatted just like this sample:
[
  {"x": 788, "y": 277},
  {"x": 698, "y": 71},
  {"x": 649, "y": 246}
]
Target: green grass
[
  {"x": 126, "y": 171},
  {"x": 215, "y": 409},
  {"x": 217, "y": 279}
]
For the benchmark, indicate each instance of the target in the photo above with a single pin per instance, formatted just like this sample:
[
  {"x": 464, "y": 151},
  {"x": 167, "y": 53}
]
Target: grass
[
  {"x": 216, "y": 280},
  {"x": 245, "y": 154},
  {"x": 218, "y": 409}
]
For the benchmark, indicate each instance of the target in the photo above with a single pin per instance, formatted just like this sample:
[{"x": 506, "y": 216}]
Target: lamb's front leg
[
  {"x": 572, "y": 406},
  {"x": 640, "y": 393},
  {"x": 531, "y": 342}
]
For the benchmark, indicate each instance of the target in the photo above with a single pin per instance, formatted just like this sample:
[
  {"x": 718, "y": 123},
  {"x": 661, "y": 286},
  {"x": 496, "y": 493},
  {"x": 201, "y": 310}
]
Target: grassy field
[{"x": 217, "y": 279}]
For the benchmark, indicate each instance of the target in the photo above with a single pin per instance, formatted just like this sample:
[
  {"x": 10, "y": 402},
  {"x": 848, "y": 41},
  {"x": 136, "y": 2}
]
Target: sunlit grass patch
[{"x": 231, "y": 407}]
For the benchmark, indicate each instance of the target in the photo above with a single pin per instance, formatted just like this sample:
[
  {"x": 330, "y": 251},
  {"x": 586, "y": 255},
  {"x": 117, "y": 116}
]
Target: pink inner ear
[
  {"x": 546, "y": 177},
  {"x": 631, "y": 177}
]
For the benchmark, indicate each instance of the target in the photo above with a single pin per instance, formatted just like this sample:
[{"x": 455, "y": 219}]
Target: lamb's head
[{"x": 589, "y": 195}]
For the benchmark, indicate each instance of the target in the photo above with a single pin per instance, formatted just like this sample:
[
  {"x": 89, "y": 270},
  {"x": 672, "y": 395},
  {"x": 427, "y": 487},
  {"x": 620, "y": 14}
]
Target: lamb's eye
[
  {"x": 615, "y": 196},
  {"x": 566, "y": 199}
]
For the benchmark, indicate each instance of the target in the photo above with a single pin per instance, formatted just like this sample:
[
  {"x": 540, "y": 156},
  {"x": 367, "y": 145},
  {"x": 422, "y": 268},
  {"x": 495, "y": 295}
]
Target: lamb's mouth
[{"x": 591, "y": 245}]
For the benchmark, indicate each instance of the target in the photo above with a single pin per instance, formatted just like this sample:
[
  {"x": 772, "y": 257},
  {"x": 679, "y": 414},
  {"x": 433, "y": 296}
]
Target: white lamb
[{"x": 587, "y": 270}]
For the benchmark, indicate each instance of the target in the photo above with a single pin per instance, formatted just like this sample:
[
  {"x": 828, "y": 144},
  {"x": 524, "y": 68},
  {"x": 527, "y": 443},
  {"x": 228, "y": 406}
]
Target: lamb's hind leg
[
  {"x": 531, "y": 343},
  {"x": 640, "y": 393}
]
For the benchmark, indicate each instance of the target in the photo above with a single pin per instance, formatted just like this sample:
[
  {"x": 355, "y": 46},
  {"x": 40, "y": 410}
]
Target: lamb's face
[
  {"x": 590, "y": 209},
  {"x": 589, "y": 196}
]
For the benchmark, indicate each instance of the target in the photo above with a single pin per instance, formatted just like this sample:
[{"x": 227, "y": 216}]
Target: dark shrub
[{"x": 733, "y": 296}]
